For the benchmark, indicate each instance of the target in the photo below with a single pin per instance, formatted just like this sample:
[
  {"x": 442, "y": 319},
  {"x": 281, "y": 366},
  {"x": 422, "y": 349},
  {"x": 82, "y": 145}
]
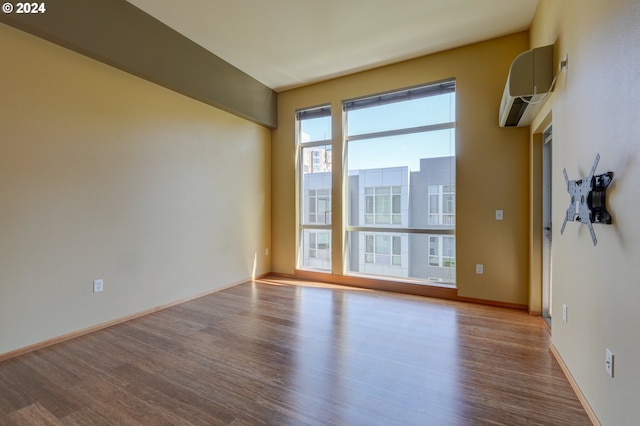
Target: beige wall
[
  {"x": 596, "y": 110},
  {"x": 104, "y": 175},
  {"x": 492, "y": 164}
]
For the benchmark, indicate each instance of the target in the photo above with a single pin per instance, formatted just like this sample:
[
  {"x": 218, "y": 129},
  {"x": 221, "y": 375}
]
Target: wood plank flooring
[{"x": 276, "y": 352}]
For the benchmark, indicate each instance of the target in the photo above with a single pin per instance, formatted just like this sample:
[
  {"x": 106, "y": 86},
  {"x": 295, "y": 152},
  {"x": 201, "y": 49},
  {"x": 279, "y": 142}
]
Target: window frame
[
  {"x": 372, "y": 226},
  {"x": 303, "y": 200}
]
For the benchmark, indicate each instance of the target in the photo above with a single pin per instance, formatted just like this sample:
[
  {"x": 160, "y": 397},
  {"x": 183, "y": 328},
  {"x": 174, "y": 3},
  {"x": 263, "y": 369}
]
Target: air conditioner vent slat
[{"x": 515, "y": 113}]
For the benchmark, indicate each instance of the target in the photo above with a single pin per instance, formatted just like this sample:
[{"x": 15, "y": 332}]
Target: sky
[{"x": 394, "y": 151}]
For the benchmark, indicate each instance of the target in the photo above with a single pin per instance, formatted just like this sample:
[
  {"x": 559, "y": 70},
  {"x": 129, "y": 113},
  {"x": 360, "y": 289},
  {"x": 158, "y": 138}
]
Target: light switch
[{"x": 499, "y": 214}]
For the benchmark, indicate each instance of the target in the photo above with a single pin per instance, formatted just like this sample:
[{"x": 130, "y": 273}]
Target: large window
[
  {"x": 400, "y": 155},
  {"x": 313, "y": 137}
]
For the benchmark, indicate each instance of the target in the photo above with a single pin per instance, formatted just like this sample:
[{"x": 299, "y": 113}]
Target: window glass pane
[
  {"x": 396, "y": 245},
  {"x": 396, "y": 204},
  {"x": 382, "y": 219},
  {"x": 400, "y": 150},
  {"x": 316, "y": 183},
  {"x": 312, "y": 203},
  {"x": 382, "y": 204},
  {"x": 448, "y": 246},
  {"x": 314, "y": 186},
  {"x": 369, "y": 248},
  {"x": 448, "y": 204},
  {"x": 382, "y": 244},
  {"x": 434, "y": 250},
  {"x": 369, "y": 204},
  {"x": 315, "y": 250},
  {"x": 315, "y": 164},
  {"x": 448, "y": 252},
  {"x": 323, "y": 240},
  {"x": 433, "y": 203},
  {"x": 406, "y": 257},
  {"x": 399, "y": 115},
  {"x": 316, "y": 129},
  {"x": 401, "y": 175},
  {"x": 323, "y": 204}
]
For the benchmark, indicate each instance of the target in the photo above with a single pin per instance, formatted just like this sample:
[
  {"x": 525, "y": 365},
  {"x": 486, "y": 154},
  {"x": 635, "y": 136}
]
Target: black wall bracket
[{"x": 588, "y": 199}]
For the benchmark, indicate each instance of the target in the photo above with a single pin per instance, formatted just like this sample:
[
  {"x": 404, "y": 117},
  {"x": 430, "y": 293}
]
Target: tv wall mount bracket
[{"x": 588, "y": 199}]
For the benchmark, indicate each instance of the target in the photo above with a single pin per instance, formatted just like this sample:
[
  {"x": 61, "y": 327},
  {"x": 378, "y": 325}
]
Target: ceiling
[{"x": 291, "y": 43}]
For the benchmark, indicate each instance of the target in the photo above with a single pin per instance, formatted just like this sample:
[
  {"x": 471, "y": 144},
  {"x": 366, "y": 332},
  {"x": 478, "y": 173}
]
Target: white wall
[
  {"x": 595, "y": 109},
  {"x": 104, "y": 175}
]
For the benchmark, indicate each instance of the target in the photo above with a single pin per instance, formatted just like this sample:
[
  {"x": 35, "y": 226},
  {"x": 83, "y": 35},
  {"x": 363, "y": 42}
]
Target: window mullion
[
  {"x": 315, "y": 143},
  {"x": 400, "y": 132}
]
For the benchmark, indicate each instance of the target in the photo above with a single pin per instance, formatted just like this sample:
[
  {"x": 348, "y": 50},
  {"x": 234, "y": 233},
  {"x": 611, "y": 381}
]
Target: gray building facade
[{"x": 385, "y": 199}]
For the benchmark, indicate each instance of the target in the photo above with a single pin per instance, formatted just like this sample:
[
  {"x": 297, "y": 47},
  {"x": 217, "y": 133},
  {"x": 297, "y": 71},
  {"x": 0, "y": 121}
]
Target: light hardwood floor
[{"x": 278, "y": 352}]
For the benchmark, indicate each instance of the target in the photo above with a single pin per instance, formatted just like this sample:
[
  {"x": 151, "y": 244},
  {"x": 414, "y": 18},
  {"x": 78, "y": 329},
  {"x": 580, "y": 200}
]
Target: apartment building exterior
[{"x": 381, "y": 201}]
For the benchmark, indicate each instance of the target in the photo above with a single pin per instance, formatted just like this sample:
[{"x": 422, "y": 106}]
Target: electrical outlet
[
  {"x": 266, "y": 252},
  {"x": 499, "y": 214},
  {"x": 98, "y": 286},
  {"x": 564, "y": 312},
  {"x": 608, "y": 362},
  {"x": 479, "y": 269}
]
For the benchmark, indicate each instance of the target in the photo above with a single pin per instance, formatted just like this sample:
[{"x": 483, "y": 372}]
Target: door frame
[{"x": 547, "y": 223}]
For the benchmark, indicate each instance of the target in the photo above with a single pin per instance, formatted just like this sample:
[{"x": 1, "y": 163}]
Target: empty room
[{"x": 355, "y": 212}]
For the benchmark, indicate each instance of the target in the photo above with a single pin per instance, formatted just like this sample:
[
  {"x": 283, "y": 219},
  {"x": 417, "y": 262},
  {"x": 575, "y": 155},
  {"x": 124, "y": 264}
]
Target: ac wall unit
[{"x": 530, "y": 79}]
